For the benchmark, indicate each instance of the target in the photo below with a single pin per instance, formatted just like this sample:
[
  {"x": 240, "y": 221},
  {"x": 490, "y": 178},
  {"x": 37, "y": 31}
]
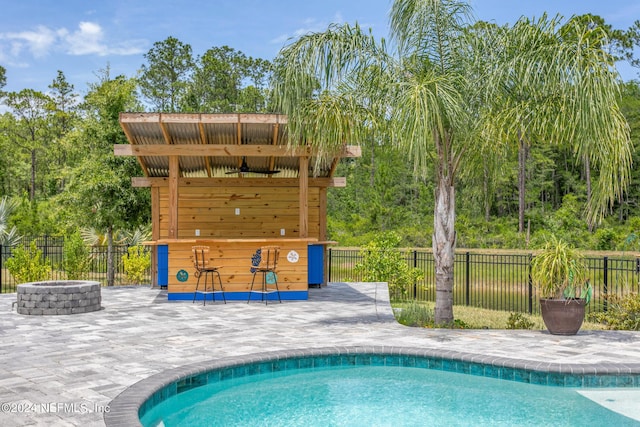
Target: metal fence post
[
  {"x": 467, "y": 276},
  {"x": 530, "y": 287},
  {"x": 605, "y": 283},
  {"x": 329, "y": 273},
  {"x": 1, "y": 271},
  {"x": 415, "y": 282}
]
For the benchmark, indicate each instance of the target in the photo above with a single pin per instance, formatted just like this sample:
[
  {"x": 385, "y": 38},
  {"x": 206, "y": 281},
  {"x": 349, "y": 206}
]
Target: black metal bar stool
[
  {"x": 267, "y": 265},
  {"x": 201, "y": 263}
]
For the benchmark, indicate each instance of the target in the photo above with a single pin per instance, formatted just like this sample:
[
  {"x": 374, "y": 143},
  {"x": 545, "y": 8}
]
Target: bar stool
[
  {"x": 201, "y": 263},
  {"x": 265, "y": 261}
]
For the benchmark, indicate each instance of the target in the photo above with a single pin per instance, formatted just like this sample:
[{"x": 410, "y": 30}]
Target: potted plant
[{"x": 560, "y": 274}]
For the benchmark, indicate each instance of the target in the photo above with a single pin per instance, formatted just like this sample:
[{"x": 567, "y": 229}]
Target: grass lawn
[{"x": 478, "y": 318}]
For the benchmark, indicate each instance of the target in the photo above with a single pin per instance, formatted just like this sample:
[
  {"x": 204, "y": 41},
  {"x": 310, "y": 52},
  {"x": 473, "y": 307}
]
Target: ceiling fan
[{"x": 244, "y": 168}]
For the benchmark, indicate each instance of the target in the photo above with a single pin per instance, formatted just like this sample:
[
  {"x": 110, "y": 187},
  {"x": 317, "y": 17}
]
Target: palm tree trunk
[
  {"x": 487, "y": 195},
  {"x": 444, "y": 235},
  {"x": 587, "y": 178},
  {"x": 522, "y": 179},
  {"x": 444, "y": 242}
]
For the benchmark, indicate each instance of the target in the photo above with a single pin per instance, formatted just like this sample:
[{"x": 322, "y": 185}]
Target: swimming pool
[{"x": 476, "y": 389}]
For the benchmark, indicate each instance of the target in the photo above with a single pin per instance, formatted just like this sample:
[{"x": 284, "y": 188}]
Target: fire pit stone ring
[{"x": 58, "y": 297}]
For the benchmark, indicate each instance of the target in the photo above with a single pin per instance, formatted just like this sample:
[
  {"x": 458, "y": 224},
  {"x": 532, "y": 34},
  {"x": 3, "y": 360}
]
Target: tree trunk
[
  {"x": 372, "y": 172},
  {"x": 110, "y": 266},
  {"x": 522, "y": 170},
  {"x": 32, "y": 190},
  {"x": 487, "y": 195},
  {"x": 444, "y": 235},
  {"x": 444, "y": 242},
  {"x": 587, "y": 177}
]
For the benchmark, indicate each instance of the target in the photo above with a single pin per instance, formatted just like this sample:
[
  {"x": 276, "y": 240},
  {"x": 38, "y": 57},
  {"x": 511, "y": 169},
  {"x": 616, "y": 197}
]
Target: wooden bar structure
[{"x": 232, "y": 182}]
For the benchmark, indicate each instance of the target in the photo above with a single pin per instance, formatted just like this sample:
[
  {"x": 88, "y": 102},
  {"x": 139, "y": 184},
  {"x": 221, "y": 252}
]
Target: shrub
[
  {"x": 77, "y": 260},
  {"x": 136, "y": 263},
  {"x": 415, "y": 314},
  {"x": 519, "y": 321},
  {"x": 382, "y": 261},
  {"x": 28, "y": 265},
  {"x": 623, "y": 313}
]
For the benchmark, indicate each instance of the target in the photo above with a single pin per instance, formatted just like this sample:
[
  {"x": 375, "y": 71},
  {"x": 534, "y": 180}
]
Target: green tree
[
  {"x": 64, "y": 114},
  {"x": 226, "y": 80},
  {"x": 3, "y": 78},
  {"x": 567, "y": 79},
  {"x": 99, "y": 193},
  {"x": 164, "y": 79},
  {"x": 29, "y": 129},
  {"x": 437, "y": 104}
]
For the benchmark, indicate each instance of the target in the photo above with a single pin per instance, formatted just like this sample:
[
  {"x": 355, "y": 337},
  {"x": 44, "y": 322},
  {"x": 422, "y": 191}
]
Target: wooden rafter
[
  {"x": 203, "y": 141},
  {"x": 155, "y": 137},
  {"x": 129, "y": 136}
]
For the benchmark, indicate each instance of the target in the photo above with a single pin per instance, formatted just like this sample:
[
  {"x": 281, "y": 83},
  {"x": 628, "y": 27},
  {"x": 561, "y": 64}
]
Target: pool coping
[{"x": 124, "y": 408}]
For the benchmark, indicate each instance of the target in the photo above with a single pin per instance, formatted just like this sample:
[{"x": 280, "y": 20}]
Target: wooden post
[
  {"x": 174, "y": 172},
  {"x": 304, "y": 196},
  {"x": 155, "y": 233}
]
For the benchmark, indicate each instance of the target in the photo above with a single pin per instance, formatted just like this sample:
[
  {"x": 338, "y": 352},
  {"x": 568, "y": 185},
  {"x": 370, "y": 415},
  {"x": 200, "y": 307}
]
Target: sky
[{"x": 84, "y": 37}]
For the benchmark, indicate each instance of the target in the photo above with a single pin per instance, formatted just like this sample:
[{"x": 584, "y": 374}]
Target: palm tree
[
  {"x": 556, "y": 84},
  {"x": 430, "y": 94},
  {"x": 8, "y": 236}
]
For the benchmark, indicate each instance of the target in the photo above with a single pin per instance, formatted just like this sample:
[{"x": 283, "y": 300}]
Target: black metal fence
[
  {"x": 486, "y": 280},
  {"x": 53, "y": 252},
  {"x": 495, "y": 281}
]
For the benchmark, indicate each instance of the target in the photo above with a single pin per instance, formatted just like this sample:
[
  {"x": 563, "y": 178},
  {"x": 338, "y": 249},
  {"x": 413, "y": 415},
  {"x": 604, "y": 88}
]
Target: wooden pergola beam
[
  {"x": 144, "y": 182},
  {"x": 224, "y": 150},
  {"x": 202, "y": 118}
]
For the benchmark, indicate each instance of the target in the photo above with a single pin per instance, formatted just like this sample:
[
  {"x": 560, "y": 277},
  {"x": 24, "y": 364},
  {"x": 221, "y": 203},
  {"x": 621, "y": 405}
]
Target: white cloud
[
  {"x": 87, "y": 39},
  {"x": 38, "y": 42}
]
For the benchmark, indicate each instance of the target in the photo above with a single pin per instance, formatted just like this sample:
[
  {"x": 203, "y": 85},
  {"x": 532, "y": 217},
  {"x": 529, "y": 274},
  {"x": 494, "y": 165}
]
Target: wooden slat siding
[
  {"x": 322, "y": 214},
  {"x": 155, "y": 213},
  {"x": 263, "y": 212},
  {"x": 235, "y": 262}
]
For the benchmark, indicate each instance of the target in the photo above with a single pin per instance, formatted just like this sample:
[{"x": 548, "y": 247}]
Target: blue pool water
[{"x": 378, "y": 396}]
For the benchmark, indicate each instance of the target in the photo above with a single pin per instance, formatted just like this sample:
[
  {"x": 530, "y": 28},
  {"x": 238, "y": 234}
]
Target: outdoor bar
[{"x": 233, "y": 184}]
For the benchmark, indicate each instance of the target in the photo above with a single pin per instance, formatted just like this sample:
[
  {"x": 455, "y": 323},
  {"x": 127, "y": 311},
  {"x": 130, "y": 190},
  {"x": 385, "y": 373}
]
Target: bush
[
  {"x": 415, "y": 314},
  {"x": 382, "y": 261},
  {"x": 519, "y": 321},
  {"x": 623, "y": 313},
  {"x": 28, "y": 265},
  {"x": 136, "y": 263},
  {"x": 77, "y": 260}
]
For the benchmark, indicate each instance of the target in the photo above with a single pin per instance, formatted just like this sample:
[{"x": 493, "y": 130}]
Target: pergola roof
[{"x": 214, "y": 145}]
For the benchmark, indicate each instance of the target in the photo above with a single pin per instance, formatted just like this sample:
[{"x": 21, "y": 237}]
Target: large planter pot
[{"x": 562, "y": 317}]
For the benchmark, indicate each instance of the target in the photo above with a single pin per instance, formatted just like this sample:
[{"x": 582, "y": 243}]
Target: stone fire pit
[{"x": 58, "y": 297}]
